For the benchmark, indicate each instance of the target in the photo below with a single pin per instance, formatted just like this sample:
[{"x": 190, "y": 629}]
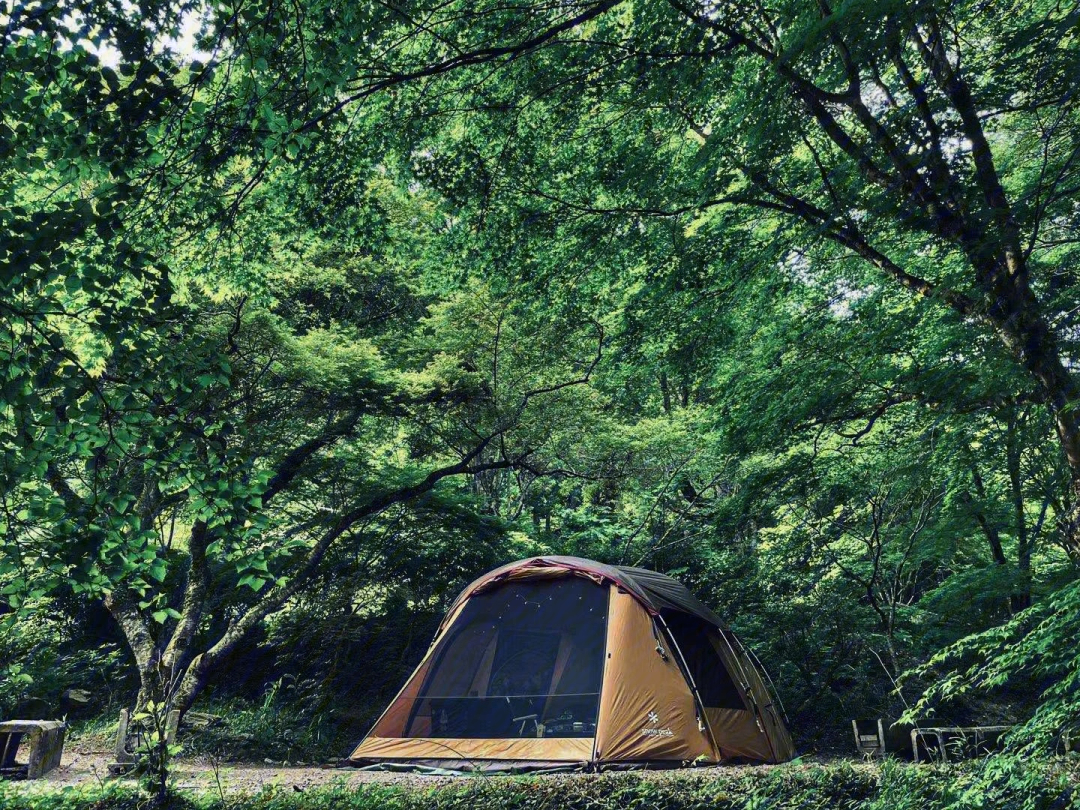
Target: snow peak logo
[{"x": 651, "y": 730}]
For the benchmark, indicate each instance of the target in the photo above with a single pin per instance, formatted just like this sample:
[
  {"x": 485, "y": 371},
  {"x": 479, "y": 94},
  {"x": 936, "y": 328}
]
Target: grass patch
[
  {"x": 96, "y": 732},
  {"x": 998, "y": 783}
]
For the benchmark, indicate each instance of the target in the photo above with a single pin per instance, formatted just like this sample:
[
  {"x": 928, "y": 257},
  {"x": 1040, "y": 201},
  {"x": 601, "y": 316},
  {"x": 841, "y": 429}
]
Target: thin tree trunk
[
  {"x": 993, "y": 537},
  {"x": 1022, "y": 597}
]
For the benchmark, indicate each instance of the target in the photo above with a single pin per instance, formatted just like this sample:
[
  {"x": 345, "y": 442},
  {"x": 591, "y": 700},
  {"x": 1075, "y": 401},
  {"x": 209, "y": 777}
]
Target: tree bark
[
  {"x": 125, "y": 612},
  {"x": 190, "y": 680},
  {"x": 177, "y": 653}
]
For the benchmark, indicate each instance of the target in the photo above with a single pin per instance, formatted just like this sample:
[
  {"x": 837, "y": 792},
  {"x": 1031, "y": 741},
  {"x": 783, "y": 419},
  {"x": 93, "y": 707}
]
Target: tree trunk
[
  {"x": 1002, "y": 272},
  {"x": 191, "y": 685},
  {"x": 1014, "y": 311},
  {"x": 125, "y": 612},
  {"x": 1021, "y": 598},
  {"x": 177, "y": 653}
]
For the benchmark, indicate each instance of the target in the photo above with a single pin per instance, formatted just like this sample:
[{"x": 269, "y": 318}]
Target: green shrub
[{"x": 51, "y": 652}]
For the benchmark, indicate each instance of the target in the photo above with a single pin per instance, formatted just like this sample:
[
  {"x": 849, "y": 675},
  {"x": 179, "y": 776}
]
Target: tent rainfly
[{"x": 566, "y": 663}]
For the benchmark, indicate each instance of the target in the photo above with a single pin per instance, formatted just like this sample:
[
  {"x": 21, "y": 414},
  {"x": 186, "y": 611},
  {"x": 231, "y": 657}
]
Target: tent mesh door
[{"x": 524, "y": 659}]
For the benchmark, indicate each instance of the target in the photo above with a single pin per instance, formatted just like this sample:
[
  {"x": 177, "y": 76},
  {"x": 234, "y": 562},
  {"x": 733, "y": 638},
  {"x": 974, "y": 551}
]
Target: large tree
[
  {"x": 936, "y": 143},
  {"x": 818, "y": 225},
  {"x": 206, "y": 400}
]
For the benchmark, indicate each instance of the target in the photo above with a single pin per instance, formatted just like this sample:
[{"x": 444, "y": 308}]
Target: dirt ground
[
  {"x": 81, "y": 766},
  {"x": 84, "y": 763}
]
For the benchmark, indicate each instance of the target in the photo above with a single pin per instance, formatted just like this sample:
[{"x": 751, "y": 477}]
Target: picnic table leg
[
  {"x": 46, "y": 749},
  {"x": 10, "y": 748}
]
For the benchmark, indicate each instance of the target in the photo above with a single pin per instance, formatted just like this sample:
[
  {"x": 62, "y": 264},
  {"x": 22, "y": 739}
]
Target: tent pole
[
  {"x": 749, "y": 689},
  {"x": 595, "y": 761},
  {"x": 693, "y": 686},
  {"x": 775, "y": 693}
]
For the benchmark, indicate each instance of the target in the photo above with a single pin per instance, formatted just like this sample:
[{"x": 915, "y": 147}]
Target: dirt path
[{"x": 83, "y": 764}]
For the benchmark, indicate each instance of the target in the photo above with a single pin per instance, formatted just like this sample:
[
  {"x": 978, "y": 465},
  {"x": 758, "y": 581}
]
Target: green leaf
[{"x": 252, "y": 581}]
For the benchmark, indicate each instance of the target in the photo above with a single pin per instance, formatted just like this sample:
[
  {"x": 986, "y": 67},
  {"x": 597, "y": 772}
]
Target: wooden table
[{"x": 46, "y": 741}]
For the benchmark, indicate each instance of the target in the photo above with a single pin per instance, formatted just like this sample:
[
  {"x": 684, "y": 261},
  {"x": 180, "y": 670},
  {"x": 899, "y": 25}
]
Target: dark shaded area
[{"x": 714, "y": 684}]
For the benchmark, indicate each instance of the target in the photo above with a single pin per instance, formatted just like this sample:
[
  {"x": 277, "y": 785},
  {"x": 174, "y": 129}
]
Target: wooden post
[
  {"x": 123, "y": 755},
  {"x": 124, "y": 759},
  {"x": 172, "y": 724}
]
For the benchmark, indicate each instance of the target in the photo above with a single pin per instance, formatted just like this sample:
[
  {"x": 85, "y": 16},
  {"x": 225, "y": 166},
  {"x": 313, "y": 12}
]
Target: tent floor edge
[
  {"x": 654, "y": 765},
  {"x": 450, "y": 767}
]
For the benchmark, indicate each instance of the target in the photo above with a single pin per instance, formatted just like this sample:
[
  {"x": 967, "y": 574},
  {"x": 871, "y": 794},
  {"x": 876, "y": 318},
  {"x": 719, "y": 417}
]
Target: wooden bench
[
  {"x": 936, "y": 742},
  {"x": 880, "y": 737},
  {"x": 133, "y": 737},
  {"x": 44, "y": 744},
  {"x": 869, "y": 738}
]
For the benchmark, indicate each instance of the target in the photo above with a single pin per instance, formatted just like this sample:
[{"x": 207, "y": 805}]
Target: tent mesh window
[
  {"x": 714, "y": 683},
  {"x": 525, "y": 659}
]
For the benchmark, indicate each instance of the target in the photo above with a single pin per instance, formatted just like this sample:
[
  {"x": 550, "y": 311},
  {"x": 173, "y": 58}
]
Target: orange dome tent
[{"x": 562, "y": 662}]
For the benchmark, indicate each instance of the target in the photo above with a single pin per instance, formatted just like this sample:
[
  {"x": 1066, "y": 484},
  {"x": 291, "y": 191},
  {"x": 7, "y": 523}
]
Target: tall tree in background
[
  {"x": 678, "y": 170},
  {"x": 934, "y": 121},
  {"x": 936, "y": 142}
]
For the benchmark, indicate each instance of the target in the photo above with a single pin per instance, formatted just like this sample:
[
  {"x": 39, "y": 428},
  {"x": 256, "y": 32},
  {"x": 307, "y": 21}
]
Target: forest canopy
[{"x": 306, "y": 306}]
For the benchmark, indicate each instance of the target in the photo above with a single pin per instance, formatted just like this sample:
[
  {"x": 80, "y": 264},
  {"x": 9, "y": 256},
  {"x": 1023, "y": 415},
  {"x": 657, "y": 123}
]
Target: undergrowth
[
  {"x": 243, "y": 731},
  {"x": 270, "y": 729},
  {"x": 998, "y": 783}
]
